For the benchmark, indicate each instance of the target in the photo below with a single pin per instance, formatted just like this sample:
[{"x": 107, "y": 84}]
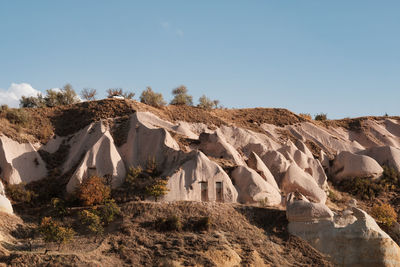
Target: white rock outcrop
[
  {"x": 297, "y": 180},
  {"x": 252, "y": 188},
  {"x": 258, "y": 165},
  {"x": 103, "y": 159},
  {"x": 356, "y": 242},
  {"x": 200, "y": 179},
  {"x": 348, "y": 165},
  {"x": 215, "y": 145},
  {"x": 20, "y": 162},
  {"x": 384, "y": 155}
]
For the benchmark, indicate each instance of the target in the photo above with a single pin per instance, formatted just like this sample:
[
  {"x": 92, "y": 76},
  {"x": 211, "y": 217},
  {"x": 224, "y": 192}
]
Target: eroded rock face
[
  {"x": 146, "y": 142},
  {"x": 200, "y": 179},
  {"x": 103, "y": 159},
  {"x": 215, "y": 145},
  {"x": 252, "y": 188},
  {"x": 359, "y": 243},
  {"x": 5, "y": 204},
  {"x": 303, "y": 210},
  {"x": 348, "y": 165},
  {"x": 384, "y": 155},
  {"x": 258, "y": 165},
  {"x": 20, "y": 162},
  {"x": 297, "y": 180}
]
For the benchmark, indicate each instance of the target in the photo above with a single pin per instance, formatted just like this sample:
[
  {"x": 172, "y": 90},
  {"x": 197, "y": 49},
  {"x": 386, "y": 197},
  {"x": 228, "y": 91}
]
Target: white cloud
[
  {"x": 165, "y": 25},
  {"x": 15, "y": 91},
  {"x": 179, "y": 32}
]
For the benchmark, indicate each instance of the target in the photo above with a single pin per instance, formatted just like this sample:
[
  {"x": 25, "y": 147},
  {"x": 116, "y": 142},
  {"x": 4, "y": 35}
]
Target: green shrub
[
  {"x": 171, "y": 223},
  {"x": 32, "y": 101},
  {"x": 18, "y": 116},
  {"x": 149, "y": 97},
  {"x": 59, "y": 207},
  {"x": 92, "y": 221},
  {"x": 52, "y": 231},
  {"x": 158, "y": 189},
  {"x": 132, "y": 176},
  {"x": 19, "y": 194},
  {"x": 181, "y": 97},
  {"x": 93, "y": 191},
  {"x": 321, "y": 117},
  {"x": 363, "y": 188},
  {"x": 384, "y": 214},
  {"x": 109, "y": 211}
]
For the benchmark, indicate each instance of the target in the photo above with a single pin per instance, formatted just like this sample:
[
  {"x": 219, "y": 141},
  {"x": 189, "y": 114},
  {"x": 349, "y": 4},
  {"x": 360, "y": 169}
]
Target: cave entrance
[
  {"x": 219, "y": 192},
  {"x": 204, "y": 191}
]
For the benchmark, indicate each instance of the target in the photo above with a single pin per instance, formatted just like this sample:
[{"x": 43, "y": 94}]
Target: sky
[{"x": 337, "y": 57}]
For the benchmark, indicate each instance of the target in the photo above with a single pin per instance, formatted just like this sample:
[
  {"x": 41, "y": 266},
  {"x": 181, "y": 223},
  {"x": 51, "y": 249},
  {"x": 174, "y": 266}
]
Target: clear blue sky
[{"x": 337, "y": 57}]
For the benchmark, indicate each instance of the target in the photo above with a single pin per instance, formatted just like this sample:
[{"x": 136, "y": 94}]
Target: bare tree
[{"x": 89, "y": 94}]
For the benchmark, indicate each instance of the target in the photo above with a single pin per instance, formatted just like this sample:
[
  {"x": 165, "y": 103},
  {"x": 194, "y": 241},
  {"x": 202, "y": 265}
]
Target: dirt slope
[{"x": 242, "y": 234}]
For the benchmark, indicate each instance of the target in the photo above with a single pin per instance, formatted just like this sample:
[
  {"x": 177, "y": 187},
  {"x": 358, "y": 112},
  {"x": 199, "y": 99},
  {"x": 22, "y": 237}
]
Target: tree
[
  {"x": 181, "y": 97},
  {"x": 67, "y": 96},
  {"x": 89, "y": 94},
  {"x": 93, "y": 191},
  {"x": 52, "y": 231},
  {"x": 206, "y": 103},
  {"x": 158, "y": 189},
  {"x": 149, "y": 97}
]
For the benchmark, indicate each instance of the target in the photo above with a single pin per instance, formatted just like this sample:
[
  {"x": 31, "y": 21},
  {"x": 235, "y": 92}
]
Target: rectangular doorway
[
  {"x": 204, "y": 191},
  {"x": 219, "y": 192}
]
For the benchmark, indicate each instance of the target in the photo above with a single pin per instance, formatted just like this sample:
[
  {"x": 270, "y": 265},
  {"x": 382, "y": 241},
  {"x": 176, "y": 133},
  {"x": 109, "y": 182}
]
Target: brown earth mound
[{"x": 247, "y": 235}]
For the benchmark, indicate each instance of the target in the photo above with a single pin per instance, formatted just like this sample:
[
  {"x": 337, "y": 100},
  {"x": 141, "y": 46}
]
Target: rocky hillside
[{"x": 315, "y": 170}]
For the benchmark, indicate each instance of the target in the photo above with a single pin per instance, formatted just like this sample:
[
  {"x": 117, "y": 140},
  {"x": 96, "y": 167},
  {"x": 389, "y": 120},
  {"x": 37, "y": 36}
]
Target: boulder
[
  {"x": 359, "y": 243},
  {"x": 348, "y": 165},
  {"x": 200, "y": 179},
  {"x": 258, "y": 165},
  {"x": 296, "y": 180},
  {"x": 252, "y": 188},
  {"x": 20, "y": 162},
  {"x": 305, "y": 211},
  {"x": 103, "y": 159},
  {"x": 384, "y": 155}
]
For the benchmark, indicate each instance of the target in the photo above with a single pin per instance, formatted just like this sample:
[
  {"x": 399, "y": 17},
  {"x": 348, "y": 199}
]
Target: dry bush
[
  {"x": 306, "y": 116},
  {"x": 18, "y": 116},
  {"x": 384, "y": 214},
  {"x": 93, "y": 191},
  {"x": 52, "y": 231},
  {"x": 19, "y": 194},
  {"x": 119, "y": 92},
  {"x": 321, "y": 117},
  {"x": 149, "y": 97},
  {"x": 171, "y": 223}
]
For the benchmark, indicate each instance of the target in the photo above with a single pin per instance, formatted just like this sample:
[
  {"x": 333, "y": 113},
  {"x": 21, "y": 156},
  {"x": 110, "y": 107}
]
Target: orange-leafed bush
[
  {"x": 384, "y": 214},
  {"x": 93, "y": 191}
]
